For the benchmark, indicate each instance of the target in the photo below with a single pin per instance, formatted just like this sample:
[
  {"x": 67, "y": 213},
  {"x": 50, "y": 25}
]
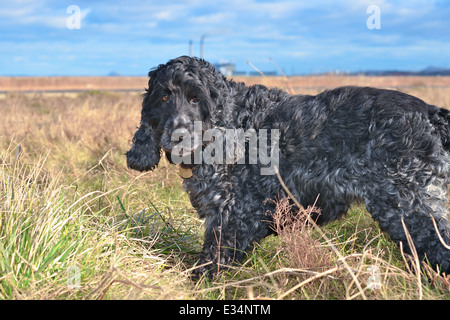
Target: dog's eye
[
  {"x": 194, "y": 100},
  {"x": 165, "y": 98}
]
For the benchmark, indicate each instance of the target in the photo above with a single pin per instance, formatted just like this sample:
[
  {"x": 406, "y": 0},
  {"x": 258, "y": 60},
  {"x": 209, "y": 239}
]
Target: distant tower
[
  {"x": 202, "y": 46},
  {"x": 191, "y": 48}
]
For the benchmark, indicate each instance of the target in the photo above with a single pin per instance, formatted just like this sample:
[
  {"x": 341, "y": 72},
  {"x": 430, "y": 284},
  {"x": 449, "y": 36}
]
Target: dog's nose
[{"x": 181, "y": 121}]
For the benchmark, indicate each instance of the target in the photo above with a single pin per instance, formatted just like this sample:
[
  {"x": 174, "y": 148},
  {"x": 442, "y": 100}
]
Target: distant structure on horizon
[
  {"x": 429, "y": 71},
  {"x": 226, "y": 68},
  {"x": 229, "y": 69}
]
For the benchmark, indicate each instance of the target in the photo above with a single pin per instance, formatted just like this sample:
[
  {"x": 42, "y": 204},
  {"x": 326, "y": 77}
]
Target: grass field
[{"x": 75, "y": 223}]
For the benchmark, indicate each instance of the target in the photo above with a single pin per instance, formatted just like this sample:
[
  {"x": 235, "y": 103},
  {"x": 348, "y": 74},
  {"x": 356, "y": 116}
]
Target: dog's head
[{"x": 183, "y": 91}]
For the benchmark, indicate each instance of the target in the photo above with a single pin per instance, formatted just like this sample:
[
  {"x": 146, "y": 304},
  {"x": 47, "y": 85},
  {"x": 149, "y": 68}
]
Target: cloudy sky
[{"x": 130, "y": 37}]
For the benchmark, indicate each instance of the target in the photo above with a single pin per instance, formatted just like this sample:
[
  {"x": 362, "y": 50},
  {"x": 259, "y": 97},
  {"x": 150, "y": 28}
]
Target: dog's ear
[
  {"x": 148, "y": 91},
  {"x": 145, "y": 153},
  {"x": 218, "y": 95}
]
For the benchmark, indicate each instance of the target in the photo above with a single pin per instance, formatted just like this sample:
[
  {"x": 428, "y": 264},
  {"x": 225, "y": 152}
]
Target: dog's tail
[{"x": 440, "y": 118}]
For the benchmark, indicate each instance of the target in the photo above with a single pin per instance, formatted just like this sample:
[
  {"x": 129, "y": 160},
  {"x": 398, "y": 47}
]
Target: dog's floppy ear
[
  {"x": 215, "y": 88},
  {"x": 145, "y": 152},
  {"x": 148, "y": 90}
]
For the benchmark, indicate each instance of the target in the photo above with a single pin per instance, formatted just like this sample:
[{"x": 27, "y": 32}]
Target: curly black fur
[{"x": 387, "y": 148}]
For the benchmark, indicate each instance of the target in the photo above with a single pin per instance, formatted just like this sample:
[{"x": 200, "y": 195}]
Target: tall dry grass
[
  {"x": 68, "y": 201},
  {"x": 69, "y": 206}
]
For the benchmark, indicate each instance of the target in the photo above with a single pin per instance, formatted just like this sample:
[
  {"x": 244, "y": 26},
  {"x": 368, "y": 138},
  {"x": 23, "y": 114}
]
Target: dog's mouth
[
  {"x": 183, "y": 142},
  {"x": 180, "y": 151},
  {"x": 185, "y": 150}
]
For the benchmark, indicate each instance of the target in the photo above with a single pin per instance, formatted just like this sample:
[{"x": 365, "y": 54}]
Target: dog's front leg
[
  {"x": 221, "y": 246},
  {"x": 227, "y": 236}
]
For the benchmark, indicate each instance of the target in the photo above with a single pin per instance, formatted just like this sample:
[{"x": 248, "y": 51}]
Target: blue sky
[{"x": 312, "y": 36}]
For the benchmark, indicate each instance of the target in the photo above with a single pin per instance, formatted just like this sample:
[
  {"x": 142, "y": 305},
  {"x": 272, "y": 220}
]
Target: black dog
[{"x": 387, "y": 148}]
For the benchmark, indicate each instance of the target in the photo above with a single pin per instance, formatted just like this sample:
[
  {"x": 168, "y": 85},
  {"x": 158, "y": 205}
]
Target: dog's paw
[{"x": 204, "y": 269}]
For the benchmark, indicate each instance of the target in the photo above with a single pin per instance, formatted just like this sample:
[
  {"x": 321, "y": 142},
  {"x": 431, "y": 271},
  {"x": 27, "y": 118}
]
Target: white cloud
[
  {"x": 31, "y": 14},
  {"x": 319, "y": 31},
  {"x": 299, "y": 54},
  {"x": 213, "y": 18},
  {"x": 164, "y": 16}
]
